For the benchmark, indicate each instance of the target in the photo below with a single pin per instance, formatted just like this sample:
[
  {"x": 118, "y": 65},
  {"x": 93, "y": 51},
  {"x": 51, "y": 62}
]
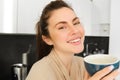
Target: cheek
[{"x": 59, "y": 37}]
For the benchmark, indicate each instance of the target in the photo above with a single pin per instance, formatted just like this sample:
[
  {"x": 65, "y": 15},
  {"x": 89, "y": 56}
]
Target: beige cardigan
[{"x": 51, "y": 68}]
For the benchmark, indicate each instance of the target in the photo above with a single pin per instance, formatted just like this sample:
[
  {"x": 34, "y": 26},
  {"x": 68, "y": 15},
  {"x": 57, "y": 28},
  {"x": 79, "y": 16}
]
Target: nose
[{"x": 74, "y": 29}]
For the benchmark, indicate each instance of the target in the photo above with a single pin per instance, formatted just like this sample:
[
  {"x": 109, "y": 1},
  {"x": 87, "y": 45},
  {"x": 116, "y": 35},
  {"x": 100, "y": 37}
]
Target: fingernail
[{"x": 111, "y": 67}]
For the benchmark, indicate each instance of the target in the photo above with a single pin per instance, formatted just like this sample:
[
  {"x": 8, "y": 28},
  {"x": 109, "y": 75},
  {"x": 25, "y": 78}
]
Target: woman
[{"x": 59, "y": 36}]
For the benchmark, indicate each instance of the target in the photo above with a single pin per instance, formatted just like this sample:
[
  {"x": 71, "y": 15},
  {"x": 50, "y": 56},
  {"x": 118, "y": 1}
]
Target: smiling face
[{"x": 65, "y": 30}]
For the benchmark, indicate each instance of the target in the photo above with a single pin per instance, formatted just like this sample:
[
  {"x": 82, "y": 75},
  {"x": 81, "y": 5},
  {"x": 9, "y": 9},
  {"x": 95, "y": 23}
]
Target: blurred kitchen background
[{"x": 17, "y": 31}]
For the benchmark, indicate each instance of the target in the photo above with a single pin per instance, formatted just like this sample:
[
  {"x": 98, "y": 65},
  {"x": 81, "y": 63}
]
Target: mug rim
[{"x": 115, "y": 59}]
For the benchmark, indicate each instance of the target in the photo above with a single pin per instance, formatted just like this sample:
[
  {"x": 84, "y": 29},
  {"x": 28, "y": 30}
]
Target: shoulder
[
  {"x": 41, "y": 70},
  {"x": 41, "y": 63}
]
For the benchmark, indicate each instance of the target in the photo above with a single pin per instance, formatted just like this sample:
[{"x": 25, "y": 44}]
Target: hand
[{"x": 105, "y": 74}]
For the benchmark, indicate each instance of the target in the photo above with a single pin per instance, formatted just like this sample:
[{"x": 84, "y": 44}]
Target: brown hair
[{"x": 42, "y": 48}]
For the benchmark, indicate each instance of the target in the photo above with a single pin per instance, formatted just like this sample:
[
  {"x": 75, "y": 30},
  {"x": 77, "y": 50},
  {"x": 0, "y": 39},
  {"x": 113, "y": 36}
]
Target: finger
[
  {"x": 112, "y": 75},
  {"x": 100, "y": 74}
]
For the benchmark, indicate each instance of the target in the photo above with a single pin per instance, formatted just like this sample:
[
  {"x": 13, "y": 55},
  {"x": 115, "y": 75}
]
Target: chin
[{"x": 79, "y": 50}]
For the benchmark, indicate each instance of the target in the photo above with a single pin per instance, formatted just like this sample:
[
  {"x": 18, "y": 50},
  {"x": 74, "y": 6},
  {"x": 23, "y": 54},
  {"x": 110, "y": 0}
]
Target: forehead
[{"x": 62, "y": 14}]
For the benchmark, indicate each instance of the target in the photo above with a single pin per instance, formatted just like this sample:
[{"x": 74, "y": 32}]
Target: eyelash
[
  {"x": 62, "y": 27},
  {"x": 76, "y": 23}
]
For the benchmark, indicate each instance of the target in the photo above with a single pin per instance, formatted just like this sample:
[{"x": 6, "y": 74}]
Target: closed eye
[
  {"x": 63, "y": 27},
  {"x": 76, "y": 23}
]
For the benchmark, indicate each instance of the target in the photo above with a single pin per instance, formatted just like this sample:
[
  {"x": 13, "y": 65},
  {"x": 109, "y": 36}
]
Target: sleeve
[
  {"x": 40, "y": 72},
  {"x": 35, "y": 73}
]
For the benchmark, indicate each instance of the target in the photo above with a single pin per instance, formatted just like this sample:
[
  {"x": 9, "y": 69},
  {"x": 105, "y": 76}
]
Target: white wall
[
  {"x": 28, "y": 14},
  {"x": 114, "y": 48},
  {"x": 115, "y": 28},
  {"x": 83, "y": 11},
  {"x": 30, "y": 10}
]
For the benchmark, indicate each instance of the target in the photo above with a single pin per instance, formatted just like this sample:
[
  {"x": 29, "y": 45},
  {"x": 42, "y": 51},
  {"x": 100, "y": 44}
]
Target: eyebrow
[
  {"x": 75, "y": 19},
  {"x": 63, "y": 22}
]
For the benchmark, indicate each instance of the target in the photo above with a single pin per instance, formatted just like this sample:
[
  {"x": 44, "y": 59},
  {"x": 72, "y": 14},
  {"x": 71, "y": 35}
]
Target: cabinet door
[
  {"x": 28, "y": 14},
  {"x": 8, "y": 16},
  {"x": 1, "y": 15},
  {"x": 100, "y": 17}
]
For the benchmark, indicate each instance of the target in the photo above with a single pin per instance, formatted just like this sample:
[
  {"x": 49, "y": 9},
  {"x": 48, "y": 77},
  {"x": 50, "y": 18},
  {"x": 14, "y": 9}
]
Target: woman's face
[{"x": 66, "y": 31}]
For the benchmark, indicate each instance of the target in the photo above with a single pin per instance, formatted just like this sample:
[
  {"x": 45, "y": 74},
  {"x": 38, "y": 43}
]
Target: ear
[{"x": 47, "y": 40}]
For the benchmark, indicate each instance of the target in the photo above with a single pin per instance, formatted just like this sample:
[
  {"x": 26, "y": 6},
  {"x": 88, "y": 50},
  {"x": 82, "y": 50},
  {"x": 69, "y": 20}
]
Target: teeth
[{"x": 76, "y": 40}]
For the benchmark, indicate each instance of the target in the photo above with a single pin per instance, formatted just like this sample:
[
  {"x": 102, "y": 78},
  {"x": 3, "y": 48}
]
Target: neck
[{"x": 66, "y": 58}]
